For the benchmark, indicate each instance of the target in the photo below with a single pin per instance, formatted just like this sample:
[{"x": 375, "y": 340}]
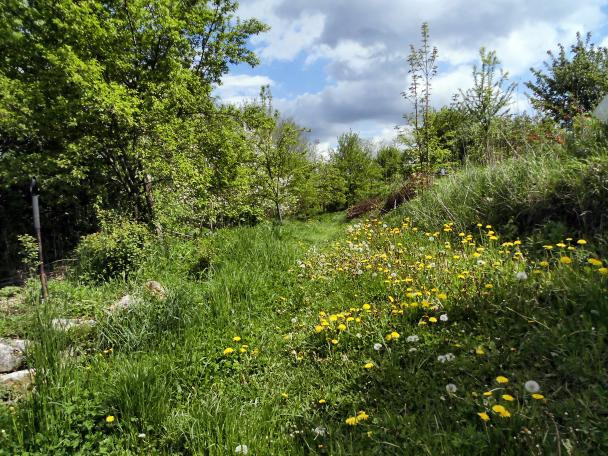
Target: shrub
[
  {"x": 363, "y": 207},
  {"x": 113, "y": 252}
]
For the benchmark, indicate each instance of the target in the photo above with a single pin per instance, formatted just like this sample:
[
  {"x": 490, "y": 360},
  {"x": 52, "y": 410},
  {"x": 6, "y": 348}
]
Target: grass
[{"x": 296, "y": 382}]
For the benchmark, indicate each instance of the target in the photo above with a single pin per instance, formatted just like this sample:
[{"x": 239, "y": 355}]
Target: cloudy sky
[{"x": 339, "y": 65}]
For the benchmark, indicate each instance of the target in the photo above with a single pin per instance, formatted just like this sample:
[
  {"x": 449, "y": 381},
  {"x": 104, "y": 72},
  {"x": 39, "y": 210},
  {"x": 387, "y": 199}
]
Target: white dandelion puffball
[
  {"x": 413, "y": 338},
  {"x": 320, "y": 431},
  {"x": 446, "y": 358},
  {"x": 531, "y": 386},
  {"x": 521, "y": 275},
  {"x": 241, "y": 449},
  {"x": 377, "y": 346},
  {"x": 451, "y": 388},
  {"x": 444, "y": 317},
  {"x": 413, "y": 349}
]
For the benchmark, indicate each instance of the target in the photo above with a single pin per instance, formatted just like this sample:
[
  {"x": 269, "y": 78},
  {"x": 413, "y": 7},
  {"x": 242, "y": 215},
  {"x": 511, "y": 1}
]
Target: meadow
[{"x": 326, "y": 337}]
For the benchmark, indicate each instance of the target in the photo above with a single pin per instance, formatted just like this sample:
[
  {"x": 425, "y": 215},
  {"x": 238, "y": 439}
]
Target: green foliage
[
  {"x": 114, "y": 252},
  {"x": 486, "y": 101},
  {"x": 390, "y": 160},
  {"x": 572, "y": 82},
  {"x": 28, "y": 252},
  {"x": 353, "y": 161}
]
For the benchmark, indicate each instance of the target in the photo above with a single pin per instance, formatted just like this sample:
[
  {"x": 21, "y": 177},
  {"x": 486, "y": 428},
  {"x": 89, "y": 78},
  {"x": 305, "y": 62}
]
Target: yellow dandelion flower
[
  {"x": 480, "y": 351},
  {"x": 487, "y": 393},
  {"x": 581, "y": 242},
  {"x": 322, "y": 401},
  {"x": 484, "y": 416},
  {"x": 391, "y": 299},
  {"x": 361, "y": 416},
  {"x": 501, "y": 379},
  {"x": 489, "y": 286},
  {"x": 341, "y": 327},
  {"x": 236, "y": 339},
  {"x": 442, "y": 296},
  {"x": 538, "y": 396},
  {"x": 395, "y": 335},
  {"x": 544, "y": 264},
  {"x": 508, "y": 397},
  {"x": 366, "y": 307},
  {"x": 503, "y": 412},
  {"x": 110, "y": 419},
  {"x": 284, "y": 395},
  {"x": 334, "y": 341},
  {"x": 603, "y": 271},
  {"x": 351, "y": 421},
  {"x": 368, "y": 365},
  {"x": 594, "y": 262},
  {"x": 433, "y": 320},
  {"x": 228, "y": 351},
  {"x": 547, "y": 247},
  {"x": 565, "y": 260}
]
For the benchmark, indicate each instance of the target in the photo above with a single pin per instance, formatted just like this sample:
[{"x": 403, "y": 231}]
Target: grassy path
[{"x": 311, "y": 340}]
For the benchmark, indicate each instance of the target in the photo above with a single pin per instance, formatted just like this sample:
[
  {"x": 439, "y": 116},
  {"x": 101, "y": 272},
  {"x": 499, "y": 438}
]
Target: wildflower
[
  {"x": 368, "y": 365},
  {"x": 581, "y": 242},
  {"x": 445, "y": 358},
  {"x": 538, "y": 396},
  {"x": 480, "y": 351},
  {"x": 236, "y": 339},
  {"x": 433, "y": 320},
  {"x": 351, "y": 421},
  {"x": 322, "y": 401},
  {"x": 594, "y": 262},
  {"x": 319, "y": 431},
  {"x": 393, "y": 336},
  {"x": 284, "y": 395},
  {"x": 318, "y": 328},
  {"x": 442, "y": 296},
  {"x": 366, "y": 307},
  {"x": 603, "y": 271},
  {"x": 334, "y": 341},
  {"x": 544, "y": 264},
  {"x": 547, "y": 247},
  {"x": 565, "y": 260},
  {"x": 489, "y": 286},
  {"x": 110, "y": 419},
  {"x": 500, "y": 379},
  {"x": 361, "y": 416},
  {"x": 508, "y": 397},
  {"x": 377, "y": 346},
  {"x": 451, "y": 388},
  {"x": 531, "y": 386},
  {"x": 444, "y": 317},
  {"x": 412, "y": 338},
  {"x": 228, "y": 351},
  {"x": 241, "y": 449},
  {"x": 487, "y": 393},
  {"x": 484, "y": 416},
  {"x": 503, "y": 412},
  {"x": 521, "y": 275},
  {"x": 141, "y": 435},
  {"x": 341, "y": 327}
]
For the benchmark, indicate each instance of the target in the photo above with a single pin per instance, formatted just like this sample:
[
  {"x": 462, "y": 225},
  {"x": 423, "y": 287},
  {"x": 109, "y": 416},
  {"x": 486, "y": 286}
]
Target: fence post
[{"x": 36, "y": 211}]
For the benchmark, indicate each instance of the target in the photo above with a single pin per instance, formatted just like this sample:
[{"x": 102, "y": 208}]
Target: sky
[{"x": 340, "y": 65}]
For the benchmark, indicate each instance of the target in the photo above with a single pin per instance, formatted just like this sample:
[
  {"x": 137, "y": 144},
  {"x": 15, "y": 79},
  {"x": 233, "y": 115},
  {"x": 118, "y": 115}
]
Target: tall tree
[
  {"x": 572, "y": 82},
  {"x": 423, "y": 68},
  {"x": 489, "y": 98}
]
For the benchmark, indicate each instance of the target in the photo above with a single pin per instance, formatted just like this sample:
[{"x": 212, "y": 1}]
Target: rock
[
  {"x": 64, "y": 324},
  {"x": 123, "y": 303},
  {"x": 19, "y": 380},
  {"x": 12, "y": 355},
  {"x": 156, "y": 288}
]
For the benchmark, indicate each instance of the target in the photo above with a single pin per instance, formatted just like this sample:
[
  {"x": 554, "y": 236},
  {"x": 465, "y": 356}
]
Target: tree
[
  {"x": 571, "y": 83},
  {"x": 423, "y": 69},
  {"x": 354, "y": 162},
  {"x": 489, "y": 98},
  {"x": 104, "y": 100},
  {"x": 390, "y": 160},
  {"x": 281, "y": 153}
]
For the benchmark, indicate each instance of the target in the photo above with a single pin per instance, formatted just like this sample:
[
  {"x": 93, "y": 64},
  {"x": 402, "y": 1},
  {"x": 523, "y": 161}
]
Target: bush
[{"x": 113, "y": 252}]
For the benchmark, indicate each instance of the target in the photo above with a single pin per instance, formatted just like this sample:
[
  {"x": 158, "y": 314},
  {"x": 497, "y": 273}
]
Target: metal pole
[{"x": 36, "y": 210}]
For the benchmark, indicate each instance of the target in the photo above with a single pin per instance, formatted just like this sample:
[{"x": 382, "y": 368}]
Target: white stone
[
  {"x": 19, "y": 379},
  {"x": 12, "y": 355},
  {"x": 64, "y": 324}
]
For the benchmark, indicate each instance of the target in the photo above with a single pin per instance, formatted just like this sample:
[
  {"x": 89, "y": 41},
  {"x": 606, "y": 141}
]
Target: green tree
[
  {"x": 281, "y": 154},
  {"x": 572, "y": 82},
  {"x": 355, "y": 165},
  {"x": 488, "y": 99},
  {"x": 423, "y": 68},
  {"x": 390, "y": 160}
]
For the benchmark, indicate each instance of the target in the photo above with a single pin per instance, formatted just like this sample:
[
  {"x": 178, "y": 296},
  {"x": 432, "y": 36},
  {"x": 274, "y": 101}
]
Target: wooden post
[{"x": 36, "y": 211}]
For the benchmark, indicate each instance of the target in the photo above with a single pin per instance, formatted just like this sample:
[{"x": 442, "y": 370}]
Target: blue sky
[{"x": 339, "y": 65}]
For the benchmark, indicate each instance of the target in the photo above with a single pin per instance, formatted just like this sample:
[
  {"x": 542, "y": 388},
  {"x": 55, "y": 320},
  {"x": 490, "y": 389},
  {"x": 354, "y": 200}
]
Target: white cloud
[
  {"x": 363, "y": 46},
  {"x": 239, "y": 88}
]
